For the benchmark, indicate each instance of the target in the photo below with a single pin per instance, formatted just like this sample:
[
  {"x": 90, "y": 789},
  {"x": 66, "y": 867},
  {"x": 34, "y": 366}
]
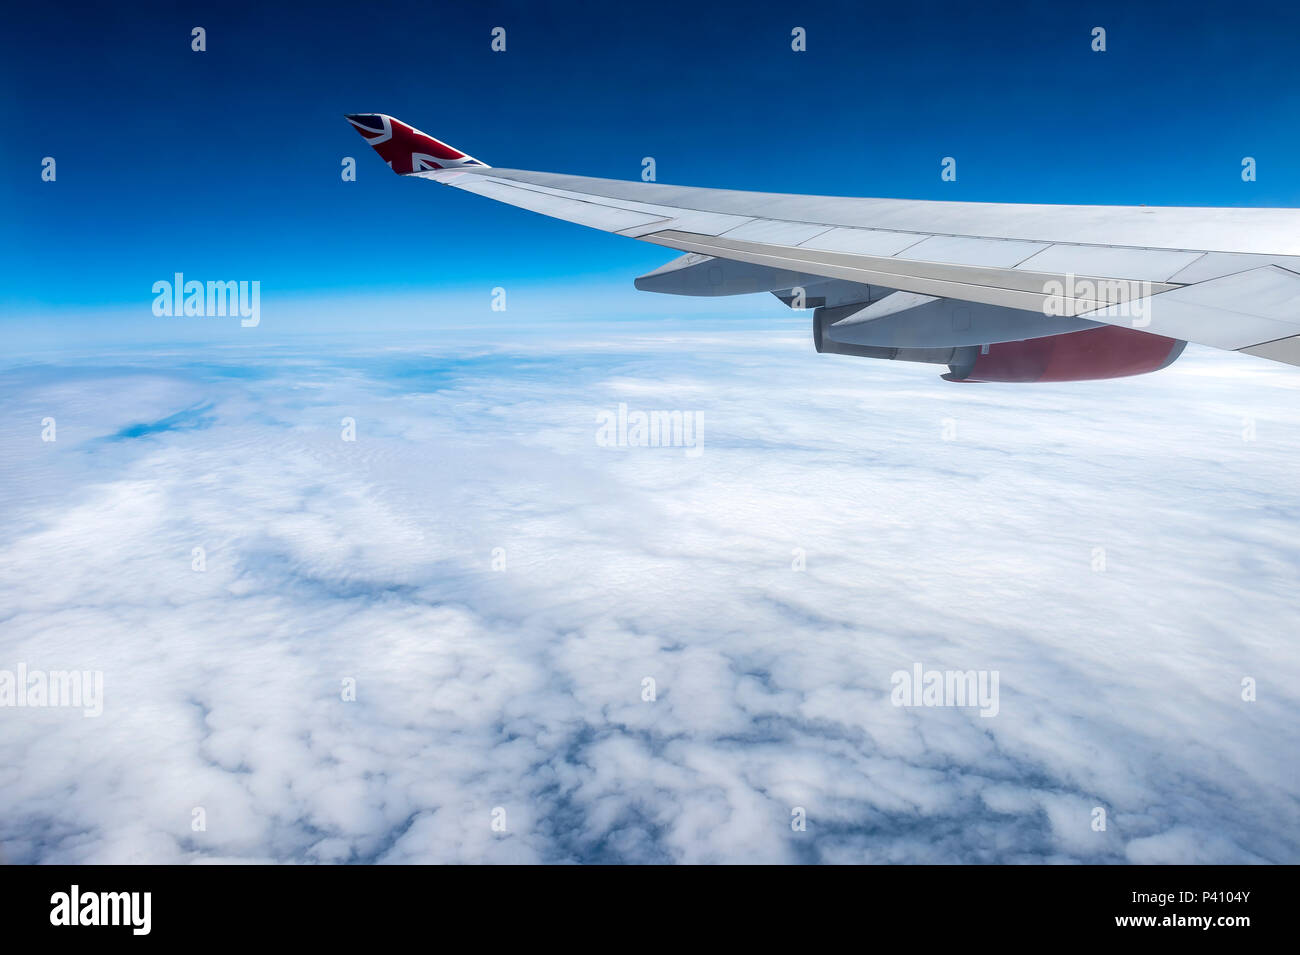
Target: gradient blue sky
[{"x": 225, "y": 164}]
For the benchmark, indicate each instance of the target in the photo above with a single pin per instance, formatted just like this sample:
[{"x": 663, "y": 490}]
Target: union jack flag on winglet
[{"x": 405, "y": 148}]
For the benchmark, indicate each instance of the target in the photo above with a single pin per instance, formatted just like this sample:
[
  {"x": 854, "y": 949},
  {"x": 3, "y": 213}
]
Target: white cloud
[{"x": 522, "y": 689}]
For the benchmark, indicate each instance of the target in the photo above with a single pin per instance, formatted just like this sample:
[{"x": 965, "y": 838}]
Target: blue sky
[{"x": 225, "y": 164}]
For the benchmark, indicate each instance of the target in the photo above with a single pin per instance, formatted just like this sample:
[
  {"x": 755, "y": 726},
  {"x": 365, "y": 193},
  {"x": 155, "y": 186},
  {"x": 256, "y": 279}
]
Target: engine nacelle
[
  {"x": 1108, "y": 351},
  {"x": 1103, "y": 351}
]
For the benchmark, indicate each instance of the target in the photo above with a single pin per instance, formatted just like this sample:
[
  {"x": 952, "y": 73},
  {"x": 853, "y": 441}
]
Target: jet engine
[
  {"x": 1107, "y": 351},
  {"x": 986, "y": 343}
]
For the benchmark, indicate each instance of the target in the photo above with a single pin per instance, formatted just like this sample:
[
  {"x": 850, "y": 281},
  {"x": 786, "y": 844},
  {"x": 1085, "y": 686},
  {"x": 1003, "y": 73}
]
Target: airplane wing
[{"x": 1077, "y": 291}]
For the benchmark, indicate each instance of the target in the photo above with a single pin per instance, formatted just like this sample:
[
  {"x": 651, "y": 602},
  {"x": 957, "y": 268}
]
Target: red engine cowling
[{"x": 1107, "y": 351}]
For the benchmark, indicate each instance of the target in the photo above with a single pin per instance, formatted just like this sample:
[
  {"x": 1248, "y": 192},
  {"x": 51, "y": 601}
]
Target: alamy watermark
[
  {"x": 208, "y": 299},
  {"x": 651, "y": 429},
  {"x": 42, "y": 688},
  {"x": 130, "y": 909},
  {"x": 922, "y": 687},
  {"x": 1126, "y": 298}
]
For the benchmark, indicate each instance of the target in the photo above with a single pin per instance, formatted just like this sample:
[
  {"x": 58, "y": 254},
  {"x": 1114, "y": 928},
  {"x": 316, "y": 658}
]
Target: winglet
[{"x": 405, "y": 148}]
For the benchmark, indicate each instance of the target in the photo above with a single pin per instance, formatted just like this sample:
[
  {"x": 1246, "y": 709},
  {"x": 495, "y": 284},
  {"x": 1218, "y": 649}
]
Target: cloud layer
[{"x": 1122, "y": 553}]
